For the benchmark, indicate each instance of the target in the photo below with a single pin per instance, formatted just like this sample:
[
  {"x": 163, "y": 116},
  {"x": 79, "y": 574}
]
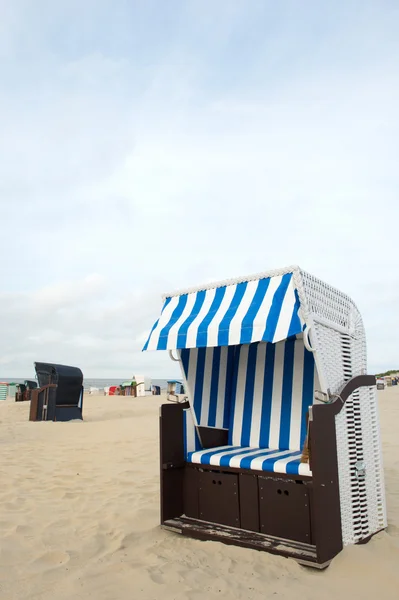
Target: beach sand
[{"x": 79, "y": 514}]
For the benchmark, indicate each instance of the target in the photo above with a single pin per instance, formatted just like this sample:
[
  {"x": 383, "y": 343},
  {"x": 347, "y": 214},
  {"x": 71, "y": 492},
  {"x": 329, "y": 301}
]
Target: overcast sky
[{"x": 152, "y": 145}]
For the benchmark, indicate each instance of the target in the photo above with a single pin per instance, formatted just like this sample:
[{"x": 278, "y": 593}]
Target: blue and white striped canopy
[{"x": 262, "y": 310}]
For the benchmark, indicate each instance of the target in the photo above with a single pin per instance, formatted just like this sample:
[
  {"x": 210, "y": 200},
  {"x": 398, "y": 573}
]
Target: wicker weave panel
[{"x": 363, "y": 510}]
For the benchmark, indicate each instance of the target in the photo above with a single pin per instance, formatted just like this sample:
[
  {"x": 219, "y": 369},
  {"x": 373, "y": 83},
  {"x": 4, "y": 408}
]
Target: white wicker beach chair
[{"x": 278, "y": 447}]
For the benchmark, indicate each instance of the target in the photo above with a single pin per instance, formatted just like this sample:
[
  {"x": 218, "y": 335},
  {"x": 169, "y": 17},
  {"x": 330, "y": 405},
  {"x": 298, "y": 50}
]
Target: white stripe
[
  {"x": 240, "y": 391},
  {"x": 213, "y": 328},
  {"x": 275, "y": 417},
  {"x": 216, "y": 458},
  {"x": 259, "y": 324},
  {"x": 163, "y": 320},
  {"x": 196, "y": 457},
  {"x": 296, "y": 403},
  {"x": 236, "y": 321},
  {"x": 285, "y": 317},
  {"x": 190, "y": 431},
  {"x": 254, "y": 439},
  {"x": 304, "y": 469},
  {"x": 256, "y": 463},
  {"x": 280, "y": 466},
  {"x": 220, "y": 405},
  {"x": 236, "y": 460},
  {"x": 206, "y": 388},
  {"x": 174, "y": 330},
  {"x": 192, "y": 330},
  {"x": 192, "y": 370}
]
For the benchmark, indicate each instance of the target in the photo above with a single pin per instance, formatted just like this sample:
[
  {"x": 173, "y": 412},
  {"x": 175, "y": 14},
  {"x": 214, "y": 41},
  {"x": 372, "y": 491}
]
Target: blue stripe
[
  {"x": 264, "y": 436},
  {"x": 286, "y": 396},
  {"x": 231, "y": 352},
  {"x": 185, "y": 361},
  {"x": 199, "y": 383},
  {"x": 268, "y": 464},
  {"x": 224, "y": 326},
  {"x": 234, "y": 393},
  {"x": 225, "y": 461},
  {"x": 246, "y": 462},
  {"x": 249, "y": 395},
  {"x": 208, "y": 455},
  {"x": 156, "y": 323},
  {"x": 292, "y": 468},
  {"x": 295, "y": 325},
  {"x": 275, "y": 309},
  {"x": 307, "y": 389},
  {"x": 182, "y": 335},
  {"x": 247, "y": 325},
  {"x": 202, "y": 334},
  {"x": 213, "y": 399},
  {"x": 163, "y": 337}
]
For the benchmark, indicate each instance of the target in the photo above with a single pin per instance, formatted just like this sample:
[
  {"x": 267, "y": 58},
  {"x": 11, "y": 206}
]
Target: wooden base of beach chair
[{"x": 303, "y": 553}]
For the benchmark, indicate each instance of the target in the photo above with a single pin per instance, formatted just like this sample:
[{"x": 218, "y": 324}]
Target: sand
[{"x": 79, "y": 519}]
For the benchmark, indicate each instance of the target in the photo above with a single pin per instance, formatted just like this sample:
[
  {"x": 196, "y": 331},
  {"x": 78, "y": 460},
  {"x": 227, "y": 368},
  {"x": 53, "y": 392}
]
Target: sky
[{"x": 152, "y": 145}]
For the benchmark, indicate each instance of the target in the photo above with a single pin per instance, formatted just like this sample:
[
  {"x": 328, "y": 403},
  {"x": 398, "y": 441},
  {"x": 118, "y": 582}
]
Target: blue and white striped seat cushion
[{"x": 257, "y": 459}]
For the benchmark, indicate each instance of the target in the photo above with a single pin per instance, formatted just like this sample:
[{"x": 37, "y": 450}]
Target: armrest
[{"x": 343, "y": 394}]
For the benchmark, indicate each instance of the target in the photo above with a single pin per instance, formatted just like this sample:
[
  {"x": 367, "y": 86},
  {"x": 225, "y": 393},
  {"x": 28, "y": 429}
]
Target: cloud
[{"x": 154, "y": 148}]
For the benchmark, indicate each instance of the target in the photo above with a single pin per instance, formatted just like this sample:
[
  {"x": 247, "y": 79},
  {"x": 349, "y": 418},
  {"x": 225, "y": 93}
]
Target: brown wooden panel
[
  {"x": 218, "y": 498},
  {"x": 326, "y": 532},
  {"x": 33, "y": 405},
  {"x": 212, "y": 438},
  {"x": 249, "y": 501},
  {"x": 192, "y": 479},
  {"x": 171, "y": 459},
  {"x": 284, "y": 509}
]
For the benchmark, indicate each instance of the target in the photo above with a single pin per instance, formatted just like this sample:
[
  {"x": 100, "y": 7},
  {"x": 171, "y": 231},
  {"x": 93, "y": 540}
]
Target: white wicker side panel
[
  {"x": 362, "y": 493},
  {"x": 345, "y": 471},
  {"x": 374, "y": 470}
]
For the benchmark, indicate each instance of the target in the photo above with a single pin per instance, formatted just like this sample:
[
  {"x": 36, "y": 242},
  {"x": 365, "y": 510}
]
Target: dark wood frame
[{"x": 231, "y": 499}]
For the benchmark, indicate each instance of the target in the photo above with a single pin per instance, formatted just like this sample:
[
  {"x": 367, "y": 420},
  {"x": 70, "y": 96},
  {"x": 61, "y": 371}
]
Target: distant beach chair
[
  {"x": 278, "y": 447},
  {"x": 3, "y": 390},
  {"x": 156, "y": 390},
  {"x": 175, "y": 391},
  {"x": 59, "y": 396}
]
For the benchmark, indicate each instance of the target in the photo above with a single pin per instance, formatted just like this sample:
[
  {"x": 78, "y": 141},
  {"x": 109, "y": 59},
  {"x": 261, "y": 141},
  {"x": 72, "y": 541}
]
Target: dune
[{"x": 79, "y": 515}]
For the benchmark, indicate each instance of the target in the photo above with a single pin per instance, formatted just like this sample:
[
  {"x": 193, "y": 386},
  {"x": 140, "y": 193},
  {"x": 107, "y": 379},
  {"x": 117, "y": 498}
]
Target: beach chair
[
  {"x": 278, "y": 446},
  {"x": 175, "y": 391},
  {"x": 59, "y": 396}
]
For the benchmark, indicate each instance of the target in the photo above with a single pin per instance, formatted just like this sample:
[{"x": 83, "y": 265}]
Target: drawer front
[
  {"x": 218, "y": 498},
  {"x": 284, "y": 509}
]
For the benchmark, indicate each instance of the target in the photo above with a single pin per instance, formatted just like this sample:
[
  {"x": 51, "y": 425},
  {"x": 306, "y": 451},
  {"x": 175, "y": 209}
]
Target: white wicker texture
[
  {"x": 375, "y": 488},
  {"x": 362, "y": 496},
  {"x": 338, "y": 338}
]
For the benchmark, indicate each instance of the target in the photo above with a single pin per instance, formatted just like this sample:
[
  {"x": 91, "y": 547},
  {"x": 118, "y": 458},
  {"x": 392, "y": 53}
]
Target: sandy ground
[{"x": 79, "y": 519}]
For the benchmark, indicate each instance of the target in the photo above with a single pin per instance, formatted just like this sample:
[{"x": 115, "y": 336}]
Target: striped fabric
[
  {"x": 277, "y": 461},
  {"x": 241, "y": 313},
  {"x": 208, "y": 375},
  {"x": 272, "y": 389},
  {"x": 264, "y": 407}
]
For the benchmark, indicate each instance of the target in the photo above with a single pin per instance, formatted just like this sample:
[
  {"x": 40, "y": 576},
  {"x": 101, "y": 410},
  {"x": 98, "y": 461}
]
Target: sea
[{"x": 94, "y": 382}]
